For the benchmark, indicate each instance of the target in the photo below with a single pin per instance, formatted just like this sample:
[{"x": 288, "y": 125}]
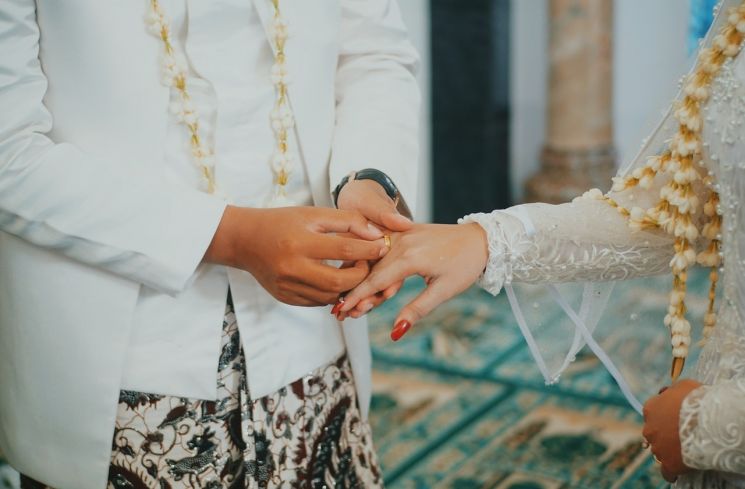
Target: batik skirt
[{"x": 307, "y": 435}]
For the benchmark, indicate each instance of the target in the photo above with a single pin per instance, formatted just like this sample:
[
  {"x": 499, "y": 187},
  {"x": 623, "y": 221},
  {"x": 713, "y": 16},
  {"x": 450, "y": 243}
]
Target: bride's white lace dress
[{"x": 588, "y": 240}]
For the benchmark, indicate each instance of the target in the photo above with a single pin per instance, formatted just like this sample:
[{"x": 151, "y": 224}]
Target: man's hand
[
  {"x": 284, "y": 250},
  {"x": 661, "y": 428},
  {"x": 369, "y": 198}
]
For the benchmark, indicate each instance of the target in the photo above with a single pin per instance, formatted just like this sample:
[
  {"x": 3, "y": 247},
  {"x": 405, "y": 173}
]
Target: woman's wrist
[
  {"x": 479, "y": 236},
  {"x": 495, "y": 271}
]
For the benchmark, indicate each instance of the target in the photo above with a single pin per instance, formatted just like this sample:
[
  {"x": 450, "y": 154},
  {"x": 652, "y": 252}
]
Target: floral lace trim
[
  {"x": 495, "y": 275},
  {"x": 712, "y": 432},
  {"x": 544, "y": 259},
  {"x": 564, "y": 261}
]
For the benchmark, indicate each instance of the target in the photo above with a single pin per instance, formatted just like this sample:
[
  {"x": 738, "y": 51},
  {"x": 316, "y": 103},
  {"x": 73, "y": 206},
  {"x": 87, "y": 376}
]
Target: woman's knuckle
[
  {"x": 373, "y": 281},
  {"x": 416, "y": 310}
]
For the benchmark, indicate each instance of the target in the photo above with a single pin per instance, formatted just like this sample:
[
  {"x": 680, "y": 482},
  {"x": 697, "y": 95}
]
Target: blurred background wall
[
  {"x": 416, "y": 16},
  {"x": 463, "y": 45}
]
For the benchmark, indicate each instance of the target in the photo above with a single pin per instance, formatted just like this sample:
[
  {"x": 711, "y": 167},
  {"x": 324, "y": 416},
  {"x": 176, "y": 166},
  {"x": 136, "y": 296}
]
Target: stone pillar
[{"x": 578, "y": 153}]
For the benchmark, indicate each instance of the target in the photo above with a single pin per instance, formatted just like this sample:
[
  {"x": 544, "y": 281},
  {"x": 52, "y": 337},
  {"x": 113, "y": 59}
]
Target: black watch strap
[
  {"x": 379, "y": 177},
  {"x": 383, "y": 180}
]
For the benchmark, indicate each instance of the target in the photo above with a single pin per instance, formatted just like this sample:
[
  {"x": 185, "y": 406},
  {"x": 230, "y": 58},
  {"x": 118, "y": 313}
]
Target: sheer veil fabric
[{"x": 570, "y": 272}]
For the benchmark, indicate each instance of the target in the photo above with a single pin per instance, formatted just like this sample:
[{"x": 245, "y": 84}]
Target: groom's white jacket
[{"x": 88, "y": 216}]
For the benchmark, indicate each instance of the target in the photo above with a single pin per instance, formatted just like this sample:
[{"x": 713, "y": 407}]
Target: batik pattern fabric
[{"x": 307, "y": 435}]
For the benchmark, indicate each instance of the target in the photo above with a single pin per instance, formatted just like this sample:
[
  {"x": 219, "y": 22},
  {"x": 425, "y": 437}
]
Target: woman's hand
[
  {"x": 449, "y": 257},
  {"x": 661, "y": 428}
]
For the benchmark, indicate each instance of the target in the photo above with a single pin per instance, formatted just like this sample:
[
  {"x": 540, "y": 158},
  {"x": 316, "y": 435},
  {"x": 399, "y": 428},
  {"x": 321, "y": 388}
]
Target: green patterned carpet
[{"x": 460, "y": 404}]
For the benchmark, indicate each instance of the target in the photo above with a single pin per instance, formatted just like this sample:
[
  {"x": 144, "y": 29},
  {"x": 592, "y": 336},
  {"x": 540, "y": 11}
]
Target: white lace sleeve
[
  {"x": 712, "y": 427},
  {"x": 586, "y": 240}
]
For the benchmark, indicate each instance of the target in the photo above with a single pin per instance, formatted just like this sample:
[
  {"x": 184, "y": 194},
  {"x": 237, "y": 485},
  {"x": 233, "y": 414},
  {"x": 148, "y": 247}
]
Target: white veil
[{"x": 621, "y": 322}]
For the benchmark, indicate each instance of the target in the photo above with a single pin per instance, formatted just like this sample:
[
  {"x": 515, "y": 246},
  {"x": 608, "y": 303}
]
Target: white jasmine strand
[
  {"x": 282, "y": 117},
  {"x": 678, "y": 198},
  {"x": 175, "y": 76}
]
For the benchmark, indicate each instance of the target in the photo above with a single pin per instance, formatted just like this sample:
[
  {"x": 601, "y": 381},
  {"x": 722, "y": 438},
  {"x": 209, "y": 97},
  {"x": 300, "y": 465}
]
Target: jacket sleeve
[
  {"x": 53, "y": 195},
  {"x": 377, "y": 111}
]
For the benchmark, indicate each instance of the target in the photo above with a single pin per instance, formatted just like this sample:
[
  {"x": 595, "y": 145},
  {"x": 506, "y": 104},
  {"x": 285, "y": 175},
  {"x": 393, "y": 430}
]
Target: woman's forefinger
[
  {"x": 369, "y": 303},
  {"x": 384, "y": 274}
]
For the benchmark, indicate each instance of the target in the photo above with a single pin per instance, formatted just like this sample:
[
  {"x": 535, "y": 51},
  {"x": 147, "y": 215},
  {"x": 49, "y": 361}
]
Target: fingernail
[
  {"x": 400, "y": 329},
  {"x": 335, "y": 310},
  {"x": 375, "y": 230},
  {"x": 366, "y": 308}
]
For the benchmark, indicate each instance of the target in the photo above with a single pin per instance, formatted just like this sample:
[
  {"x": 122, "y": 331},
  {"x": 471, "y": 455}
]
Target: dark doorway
[{"x": 470, "y": 106}]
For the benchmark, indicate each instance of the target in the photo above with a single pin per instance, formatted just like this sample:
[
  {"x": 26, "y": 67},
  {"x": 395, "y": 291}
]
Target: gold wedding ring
[{"x": 387, "y": 241}]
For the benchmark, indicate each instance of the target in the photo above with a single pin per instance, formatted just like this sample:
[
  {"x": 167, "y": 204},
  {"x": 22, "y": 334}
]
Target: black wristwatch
[{"x": 381, "y": 178}]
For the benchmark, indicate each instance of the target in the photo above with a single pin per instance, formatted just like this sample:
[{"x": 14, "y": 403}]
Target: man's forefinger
[
  {"x": 342, "y": 248},
  {"x": 337, "y": 280}
]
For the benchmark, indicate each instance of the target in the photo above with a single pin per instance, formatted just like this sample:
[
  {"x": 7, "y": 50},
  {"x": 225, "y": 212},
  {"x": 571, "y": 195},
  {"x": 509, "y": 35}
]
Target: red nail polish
[
  {"x": 337, "y": 307},
  {"x": 400, "y": 329}
]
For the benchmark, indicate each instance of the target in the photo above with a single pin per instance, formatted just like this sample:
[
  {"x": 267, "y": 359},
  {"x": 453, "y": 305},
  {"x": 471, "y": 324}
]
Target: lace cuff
[
  {"x": 498, "y": 272},
  {"x": 693, "y": 455},
  {"x": 712, "y": 427}
]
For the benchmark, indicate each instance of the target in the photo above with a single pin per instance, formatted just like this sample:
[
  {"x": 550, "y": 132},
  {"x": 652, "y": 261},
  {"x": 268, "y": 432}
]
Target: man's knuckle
[
  {"x": 373, "y": 252},
  {"x": 346, "y": 250},
  {"x": 284, "y": 271},
  {"x": 336, "y": 283},
  {"x": 281, "y": 270},
  {"x": 287, "y": 245}
]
